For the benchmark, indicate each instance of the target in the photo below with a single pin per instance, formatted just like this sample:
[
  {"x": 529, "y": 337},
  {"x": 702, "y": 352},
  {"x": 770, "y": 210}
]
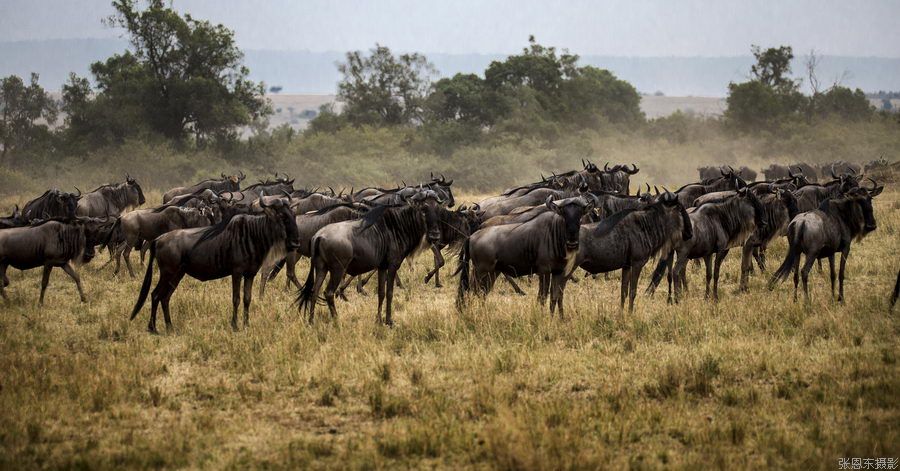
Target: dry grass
[{"x": 753, "y": 381}]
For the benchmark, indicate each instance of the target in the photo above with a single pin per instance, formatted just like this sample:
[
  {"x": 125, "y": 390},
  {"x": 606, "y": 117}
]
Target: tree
[
  {"x": 769, "y": 97},
  {"x": 184, "y": 77},
  {"x": 384, "y": 89},
  {"x": 465, "y": 98},
  {"x": 21, "y": 107}
]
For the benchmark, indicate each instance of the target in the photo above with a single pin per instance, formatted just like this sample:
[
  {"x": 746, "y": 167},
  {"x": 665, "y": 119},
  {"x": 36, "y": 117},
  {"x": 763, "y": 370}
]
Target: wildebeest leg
[
  {"x": 397, "y": 280},
  {"x": 166, "y": 296},
  {"x": 557, "y": 290},
  {"x": 623, "y": 290},
  {"x": 126, "y": 254},
  {"x": 391, "y": 276},
  {"x": 290, "y": 262},
  {"x": 321, "y": 272},
  {"x": 248, "y": 297},
  {"x": 707, "y": 260},
  {"x": 635, "y": 276},
  {"x": 831, "y": 274},
  {"x": 844, "y": 255},
  {"x": 760, "y": 256},
  {"x": 333, "y": 284},
  {"x": 4, "y": 281},
  {"x": 543, "y": 288},
  {"x": 361, "y": 283},
  {"x": 796, "y": 277},
  {"x": 746, "y": 265},
  {"x": 74, "y": 275},
  {"x": 382, "y": 281},
  {"x": 144, "y": 247},
  {"x": 720, "y": 257},
  {"x": 235, "y": 299},
  {"x": 45, "y": 280},
  {"x": 438, "y": 264},
  {"x": 807, "y": 266},
  {"x": 515, "y": 286},
  {"x": 671, "y": 264},
  {"x": 679, "y": 274}
]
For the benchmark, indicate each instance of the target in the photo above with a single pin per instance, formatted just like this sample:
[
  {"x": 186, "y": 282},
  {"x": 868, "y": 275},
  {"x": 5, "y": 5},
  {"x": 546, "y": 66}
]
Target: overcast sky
[{"x": 610, "y": 27}]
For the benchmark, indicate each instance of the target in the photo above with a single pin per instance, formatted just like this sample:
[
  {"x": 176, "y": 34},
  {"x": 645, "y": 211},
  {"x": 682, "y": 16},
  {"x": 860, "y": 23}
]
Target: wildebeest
[
  {"x": 840, "y": 167},
  {"x": 876, "y": 165},
  {"x": 727, "y": 180},
  {"x": 111, "y": 200},
  {"x": 238, "y": 247},
  {"x": 709, "y": 172},
  {"x": 718, "y": 226},
  {"x": 747, "y": 173},
  {"x": 13, "y": 220},
  {"x": 307, "y": 225},
  {"x": 808, "y": 171},
  {"x": 52, "y": 204},
  {"x": 826, "y": 231},
  {"x": 780, "y": 208},
  {"x": 456, "y": 227},
  {"x": 48, "y": 243},
  {"x": 381, "y": 241},
  {"x": 218, "y": 185},
  {"x": 546, "y": 246},
  {"x": 148, "y": 224},
  {"x": 775, "y": 172},
  {"x": 249, "y": 195},
  {"x": 618, "y": 178},
  {"x": 809, "y": 197},
  {"x": 495, "y": 207},
  {"x": 629, "y": 238}
]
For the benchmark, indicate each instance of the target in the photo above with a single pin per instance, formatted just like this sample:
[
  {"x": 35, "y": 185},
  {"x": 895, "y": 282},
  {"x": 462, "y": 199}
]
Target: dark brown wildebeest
[
  {"x": 709, "y": 172},
  {"x": 780, "y": 208},
  {"x": 728, "y": 180},
  {"x": 148, "y": 224},
  {"x": 809, "y": 197},
  {"x": 249, "y": 195},
  {"x": 775, "y": 172},
  {"x": 791, "y": 183},
  {"x": 315, "y": 202},
  {"x": 840, "y": 167},
  {"x": 307, "y": 225},
  {"x": 876, "y": 165},
  {"x": 456, "y": 227},
  {"x": 629, "y": 238},
  {"x": 200, "y": 197},
  {"x": 545, "y": 246},
  {"x": 500, "y": 206},
  {"x": 811, "y": 173},
  {"x": 111, "y": 200},
  {"x": 823, "y": 232},
  {"x": 13, "y": 220},
  {"x": 718, "y": 226},
  {"x": 48, "y": 243},
  {"x": 218, "y": 185},
  {"x": 381, "y": 241},
  {"x": 747, "y": 173},
  {"x": 555, "y": 182},
  {"x": 618, "y": 178},
  {"x": 52, "y": 204},
  {"x": 237, "y": 247}
]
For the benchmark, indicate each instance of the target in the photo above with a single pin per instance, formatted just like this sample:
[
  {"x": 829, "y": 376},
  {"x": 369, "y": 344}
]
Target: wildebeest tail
[
  {"x": 463, "y": 270},
  {"x": 276, "y": 269},
  {"x": 658, "y": 273},
  {"x": 795, "y": 239},
  {"x": 306, "y": 294},
  {"x": 112, "y": 231},
  {"x": 145, "y": 287}
]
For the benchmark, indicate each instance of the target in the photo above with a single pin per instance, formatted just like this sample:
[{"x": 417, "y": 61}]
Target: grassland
[{"x": 753, "y": 381}]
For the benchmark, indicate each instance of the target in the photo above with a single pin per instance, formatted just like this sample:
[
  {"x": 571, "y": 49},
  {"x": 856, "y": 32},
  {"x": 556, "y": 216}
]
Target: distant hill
[{"x": 304, "y": 72}]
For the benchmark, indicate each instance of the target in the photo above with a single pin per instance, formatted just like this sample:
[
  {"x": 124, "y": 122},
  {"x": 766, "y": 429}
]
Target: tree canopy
[{"x": 21, "y": 106}]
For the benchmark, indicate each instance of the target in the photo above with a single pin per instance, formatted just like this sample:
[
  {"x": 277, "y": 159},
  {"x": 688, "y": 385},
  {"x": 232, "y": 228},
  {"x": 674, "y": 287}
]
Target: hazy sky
[{"x": 609, "y": 27}]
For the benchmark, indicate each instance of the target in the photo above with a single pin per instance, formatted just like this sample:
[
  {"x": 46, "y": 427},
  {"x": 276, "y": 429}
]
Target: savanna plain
[{"x": 754, "y": 380}]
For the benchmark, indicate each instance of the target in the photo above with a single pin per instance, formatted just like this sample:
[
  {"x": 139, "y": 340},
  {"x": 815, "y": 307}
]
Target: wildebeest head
[
  {"x": 234, "y": 181},
  {"x": 864, "y": 196},
  {"x": 67, "y": 202},
  {"x": 670, "y": 202},
  {"x": 430, "y": 205},
  {"x": 441, "y": 186},
  {"x": 571, "y": 210},
  {"x": 134, "y": 191},
  {"x": 281, "y": 212},
  {"x": 759, "y": 212},
  {"x": 798, "y": 179},
  {"x": 473, "y": 216}
]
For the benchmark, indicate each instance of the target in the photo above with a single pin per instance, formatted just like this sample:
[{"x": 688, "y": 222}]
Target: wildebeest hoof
[
  {"x": 152, "y": 331},
  {"x": 438, "y": 285}
]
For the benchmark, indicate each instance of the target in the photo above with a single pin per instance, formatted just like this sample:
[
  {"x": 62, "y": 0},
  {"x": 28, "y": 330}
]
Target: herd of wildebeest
[{"x": 587, "y": 219}]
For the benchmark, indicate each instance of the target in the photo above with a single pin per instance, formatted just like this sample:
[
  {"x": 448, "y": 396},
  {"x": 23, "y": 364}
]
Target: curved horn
[
  {"x": 444, "y": 179},
  {"x": 874, "y": 183},
  {"x": 583, "y": 163},
  {"x": 476, "y": 207},
  {"x": 79, "y": 192},
  {"x": 606, "y": 167},
  {"x": 242, "y": 176},
  {"x": 832, "y": 172}
]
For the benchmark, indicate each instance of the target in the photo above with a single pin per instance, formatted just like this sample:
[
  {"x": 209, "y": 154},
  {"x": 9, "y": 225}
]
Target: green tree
[
  {"x": 844, "y": 103},
  {"x": 465, "y": 98},
  {"x": 21, "y": 106},
  {"x": 384, "y": 89},
  {"x": 769, "y": 98},
  {"x": 184, "y": 77}
]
